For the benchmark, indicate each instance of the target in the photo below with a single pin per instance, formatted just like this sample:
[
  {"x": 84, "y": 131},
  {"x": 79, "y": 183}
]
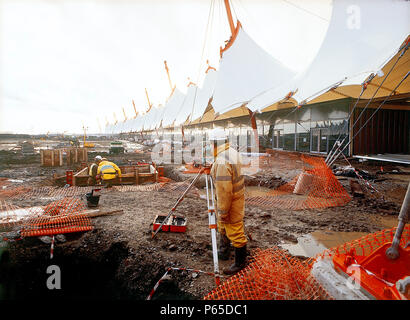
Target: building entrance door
[
  {"x": 319, "y": 140},
  {"x": 277, "y": 141}
]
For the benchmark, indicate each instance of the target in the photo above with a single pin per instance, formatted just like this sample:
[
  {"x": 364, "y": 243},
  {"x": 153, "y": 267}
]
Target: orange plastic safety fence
[
  {"x": 63, "y": 216},
  {"x": 3, "y": 181},
  {"x": 177, "y": 187},
  {"x": 22, "y": 192},
  {"x": 11, "y": 192},
  {"x": 164, "y": 180},
  {"x": 315, "y": 187},
  {"x": 147, "y": 187},
  {"x": 272, "y": 274}
]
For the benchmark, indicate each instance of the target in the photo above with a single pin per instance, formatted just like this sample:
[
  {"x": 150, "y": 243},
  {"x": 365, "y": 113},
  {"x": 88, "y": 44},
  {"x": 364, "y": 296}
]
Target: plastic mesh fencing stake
[
  {"x": 176, "y": 269},
  {"x": 52, "y": 247},
  {"x": 157, "y": 284}
]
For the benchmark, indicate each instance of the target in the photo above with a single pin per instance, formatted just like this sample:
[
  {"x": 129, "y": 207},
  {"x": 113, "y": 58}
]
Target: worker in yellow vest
[
  {"x": 92, "y": 172},
  {"x": 230, "y": 189},
  {"x": 107, "y": 171}
]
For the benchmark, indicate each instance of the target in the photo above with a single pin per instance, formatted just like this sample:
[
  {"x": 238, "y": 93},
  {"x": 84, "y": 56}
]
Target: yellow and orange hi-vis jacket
[
  {"x": 229, "y": 185},
  {"x": 108, "y": 170}
]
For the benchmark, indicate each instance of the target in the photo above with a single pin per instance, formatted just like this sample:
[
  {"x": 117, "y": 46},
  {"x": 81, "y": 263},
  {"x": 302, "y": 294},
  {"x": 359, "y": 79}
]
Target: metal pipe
[{"x": 392, "y": 253}]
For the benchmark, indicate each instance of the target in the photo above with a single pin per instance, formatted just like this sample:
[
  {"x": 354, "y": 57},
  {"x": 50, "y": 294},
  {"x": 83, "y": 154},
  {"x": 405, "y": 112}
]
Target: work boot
[
  {"x": 240, "y": 261},
  {"x": 224, "y": 249}
]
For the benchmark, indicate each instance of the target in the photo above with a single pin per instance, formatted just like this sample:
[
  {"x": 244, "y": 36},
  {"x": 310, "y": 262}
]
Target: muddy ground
[{"x": 118, "y": 259}]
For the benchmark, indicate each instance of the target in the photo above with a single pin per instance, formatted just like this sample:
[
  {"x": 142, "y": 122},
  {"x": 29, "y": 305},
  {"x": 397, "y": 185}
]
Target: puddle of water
[
  {"x": 386, "y": 222},
  {"x": 311, "y": 244}
]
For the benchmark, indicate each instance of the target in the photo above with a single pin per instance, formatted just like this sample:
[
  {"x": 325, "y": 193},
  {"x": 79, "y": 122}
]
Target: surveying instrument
[{"x": 210, "y": 200}]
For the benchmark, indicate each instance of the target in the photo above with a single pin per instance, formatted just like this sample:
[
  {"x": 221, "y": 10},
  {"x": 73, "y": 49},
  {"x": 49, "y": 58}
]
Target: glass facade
[{"x": 312, "y": 128}]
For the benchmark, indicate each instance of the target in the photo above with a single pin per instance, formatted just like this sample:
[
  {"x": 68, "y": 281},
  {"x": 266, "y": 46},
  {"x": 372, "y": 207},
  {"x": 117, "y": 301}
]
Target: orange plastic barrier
[
  {"x": 22, "y": 192},
  {"x": 64, "y": 216},
  {"x": 164, "y": 180},
  {"x": 177, "y": 187},
  {"x": 365, "y": 261},
  {"x": 315, "y": 187},
  {"x": 14, "y": 192},
  {"x": 133, "y": 188},
  {"x": 271, "y": 275}
]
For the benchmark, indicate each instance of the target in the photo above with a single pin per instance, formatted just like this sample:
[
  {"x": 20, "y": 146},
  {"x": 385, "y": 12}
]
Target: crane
[
  {"x": 99, "y": 125},
  {"x": 87, "y": 144}
]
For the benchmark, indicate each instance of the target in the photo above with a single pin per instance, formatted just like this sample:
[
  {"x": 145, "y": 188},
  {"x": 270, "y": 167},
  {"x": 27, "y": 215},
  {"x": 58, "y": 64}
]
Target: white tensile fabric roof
[
  {"x": 172, "y": 107},
  {"x": 123, "y": 126},
  {"x": 156, "y": 119},
  {"x": 203, "y": 94},
  {"x": 147, "y": 120},
  {"x": 362, "y": 36},
  {"x": 186, "y": 108},
  {"x": 246, "y": 70},
  {"x": 127, "y": 126},
  {"x": 151, "y": 120},
  {"x": 120, "y": 126},
  {"x": 132, "y": 124},
  {"x": 140, "y": 123}
]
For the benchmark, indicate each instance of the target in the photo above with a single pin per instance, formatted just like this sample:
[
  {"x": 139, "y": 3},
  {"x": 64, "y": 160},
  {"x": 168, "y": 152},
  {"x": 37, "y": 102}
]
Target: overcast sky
[{"x": 64, "y": 63}]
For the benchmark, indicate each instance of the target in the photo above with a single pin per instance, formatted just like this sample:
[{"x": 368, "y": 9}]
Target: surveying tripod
[{"x": 210, "y": 200}]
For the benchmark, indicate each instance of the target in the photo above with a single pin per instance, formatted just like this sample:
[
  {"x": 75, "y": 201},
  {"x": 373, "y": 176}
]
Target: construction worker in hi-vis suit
[{"x": 230, "y": 188}]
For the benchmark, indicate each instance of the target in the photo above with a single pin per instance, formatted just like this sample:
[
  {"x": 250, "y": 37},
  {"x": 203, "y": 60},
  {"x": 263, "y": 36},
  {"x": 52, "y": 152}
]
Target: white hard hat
[
  {"x": 98, "y": 158},
  {"x": 217, "y": 134}
]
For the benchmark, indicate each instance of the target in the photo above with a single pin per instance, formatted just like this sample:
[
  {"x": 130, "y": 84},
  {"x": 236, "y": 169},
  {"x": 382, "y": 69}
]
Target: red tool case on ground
[
  {"x": 174, "y": 223},
  {"x": 157, "y": 222},
  {"x": 177, "y": 224}
]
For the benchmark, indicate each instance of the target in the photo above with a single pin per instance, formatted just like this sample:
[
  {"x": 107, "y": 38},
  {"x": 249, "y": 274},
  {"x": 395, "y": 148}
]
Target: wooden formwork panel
[
  {"x": 136, "y": 174},
  {"x": 51, "y": 158},
  {"x": 76, "y": 155}
]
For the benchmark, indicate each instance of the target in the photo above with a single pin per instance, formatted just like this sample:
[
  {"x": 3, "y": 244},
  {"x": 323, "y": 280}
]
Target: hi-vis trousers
[{"x": 234, "y": 231}]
